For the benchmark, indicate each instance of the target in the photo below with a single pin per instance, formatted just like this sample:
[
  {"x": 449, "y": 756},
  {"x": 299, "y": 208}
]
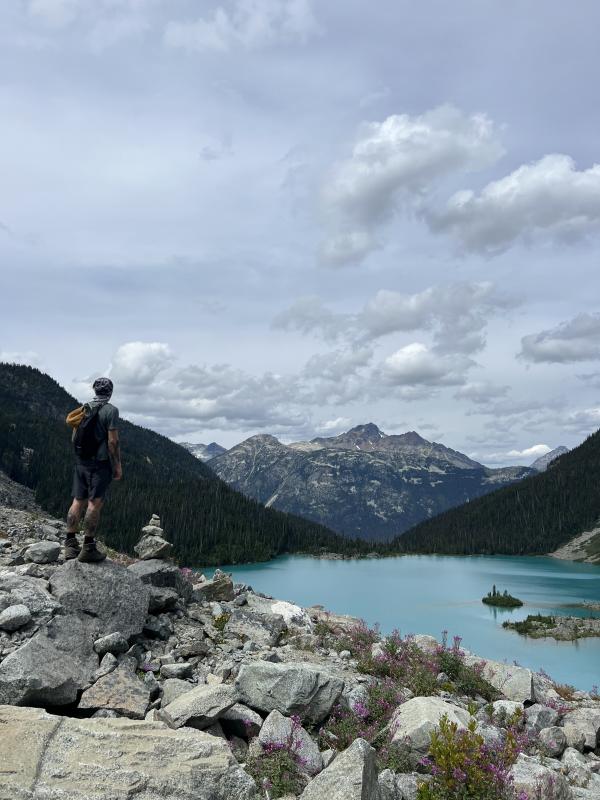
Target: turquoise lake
[{"x": 430, "y": 594}]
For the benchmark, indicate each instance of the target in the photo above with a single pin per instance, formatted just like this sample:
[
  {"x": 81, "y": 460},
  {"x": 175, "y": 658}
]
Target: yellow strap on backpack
[{"x": 75, "y": 417}]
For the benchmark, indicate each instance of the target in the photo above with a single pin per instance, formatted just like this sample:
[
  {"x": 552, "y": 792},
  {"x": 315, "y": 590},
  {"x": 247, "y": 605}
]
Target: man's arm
[{"x": 114, "y": 453}]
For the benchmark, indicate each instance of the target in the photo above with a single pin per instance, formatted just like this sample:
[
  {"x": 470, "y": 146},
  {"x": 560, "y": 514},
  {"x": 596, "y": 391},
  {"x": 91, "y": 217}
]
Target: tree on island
[{"x": 504, "y": 599}]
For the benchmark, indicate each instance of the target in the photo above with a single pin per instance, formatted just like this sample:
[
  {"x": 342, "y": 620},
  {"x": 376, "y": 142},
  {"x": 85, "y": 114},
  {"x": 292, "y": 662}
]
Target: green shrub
[{"x": 277, "y": 771}]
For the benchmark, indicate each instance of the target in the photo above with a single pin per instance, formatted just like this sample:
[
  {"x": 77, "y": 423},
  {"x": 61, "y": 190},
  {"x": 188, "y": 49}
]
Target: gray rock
[
  {"x": 515, "y": 683},
  {"x": 586, "y": 721},
  {"x": 292, "y": 688},
  {"x": 53, "y": 666},
  {"x": 162, "y": 575},
  {"x": 30, "y": 592},
  {"x": 153, "y": 529},
  {"x": 505, "y": 709},
  {"x": 577, "y": 768},
  {"x": 351, "y": 776},
  {"x": 219, "y": 588},
  {"x": 153, "y": 546},
  {"x": 14, "y": 617},
  {"x": 107, "y": 592},
  {"x": 80, "y": 759},
  {"x": 200, "y": 707},
  {"x": 172, "y": 688},
  {"x": 531, "y": 776},
  {"x": 575, "y": 736},
  {"x": 161, "y": 599},
  {"x": 278, "y": 729},
  {"x": 111, "y": 643},
  {"x": 121, "y": 691},
  {"x": 108, "y": 663},
  {"x": 183, "y": 670},
  {"x": 539, "y": 717},
  {"x": 416, "y": 719},
  {"x": 263, "y": 629},
  {"x": 552, "y": 741},
  {"x": 241, "y": 721},
  {"x": 239, "y": 748},
  {"x": 403, "y": 786},
  {"x": 43, "y": 552}
]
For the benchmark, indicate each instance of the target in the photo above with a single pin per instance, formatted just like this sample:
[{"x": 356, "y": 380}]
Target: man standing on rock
[{"x": 97, "y": 462}]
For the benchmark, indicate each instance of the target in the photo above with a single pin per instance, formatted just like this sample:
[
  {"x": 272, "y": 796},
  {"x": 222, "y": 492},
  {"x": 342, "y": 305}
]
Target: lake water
[{"x": 429, "y": 594}]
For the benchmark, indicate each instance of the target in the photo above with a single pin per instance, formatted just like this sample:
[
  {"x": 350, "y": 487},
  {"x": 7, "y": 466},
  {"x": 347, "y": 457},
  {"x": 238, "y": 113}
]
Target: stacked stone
[{"x": 153, "y": 543}]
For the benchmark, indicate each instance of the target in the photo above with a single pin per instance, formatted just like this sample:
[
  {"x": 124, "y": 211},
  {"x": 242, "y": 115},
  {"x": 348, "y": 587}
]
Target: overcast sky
[{"x": 293, "y": 216}]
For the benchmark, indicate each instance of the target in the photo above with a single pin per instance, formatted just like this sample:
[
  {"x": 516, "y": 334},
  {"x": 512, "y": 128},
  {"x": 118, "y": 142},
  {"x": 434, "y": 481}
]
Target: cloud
[
  {"x": 333, "y": 426},
  {"x": 393, "y": 162},
  {"x": 250, "y": 24},
  {"x": 54, "y": 13},
  {"x": 548, "y": 199},
  {"x": 481, "y": 392},
  {"x": 575, "y": 340},
  {"x": 525, "y": 456},
  {"x": 137, "y": 364},
  {"x": 416, "y": 365},
  {"x": 457, "y": 314},
  {"x": 29, "y": 357},
  {"x": 584, "y": 422}
]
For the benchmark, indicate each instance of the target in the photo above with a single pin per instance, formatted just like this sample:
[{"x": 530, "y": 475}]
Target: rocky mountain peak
[{"x": 543, "y": 462}]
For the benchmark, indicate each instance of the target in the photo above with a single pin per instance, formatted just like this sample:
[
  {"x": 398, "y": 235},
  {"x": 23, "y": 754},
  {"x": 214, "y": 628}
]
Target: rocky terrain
[
  {"x": 585, "y": 547},
  {"x": 361, "y": 483},
  {"x": 138, "y": 679},
  {"x": 543, "y": 462},
  {"x": 561, "y": 628},
  {"x": 204, "y": 451}
]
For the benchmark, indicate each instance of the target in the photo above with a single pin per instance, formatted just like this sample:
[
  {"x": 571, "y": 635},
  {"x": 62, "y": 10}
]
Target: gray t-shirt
[{"x": 108, "y": 420}]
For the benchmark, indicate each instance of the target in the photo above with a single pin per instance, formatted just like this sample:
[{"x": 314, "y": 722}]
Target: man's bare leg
[
  {"x": 89, "y": 552},
  {"x": 72, "y": 548}
]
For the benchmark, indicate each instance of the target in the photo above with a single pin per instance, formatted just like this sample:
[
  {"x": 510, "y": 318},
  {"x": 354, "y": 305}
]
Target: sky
[{"x": 295, "y": 216}]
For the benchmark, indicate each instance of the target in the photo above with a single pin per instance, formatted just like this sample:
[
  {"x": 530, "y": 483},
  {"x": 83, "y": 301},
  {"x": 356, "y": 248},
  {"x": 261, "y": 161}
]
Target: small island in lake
[
  {"x": 566, "y": 629},
  {"x": 503, "y": 599}
]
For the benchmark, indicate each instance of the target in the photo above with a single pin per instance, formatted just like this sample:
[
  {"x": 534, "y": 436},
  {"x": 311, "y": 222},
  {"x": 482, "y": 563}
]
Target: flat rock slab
[
  {"x": 200, "y": 707},
  {"x": 515, "y": 683},
  {"x": 263, "y": 628},
  {"x": 350, "y": 776},
  {"x": 107, "y": 592},
  {"x": 121, "y": 691},
  {"x": 62, "y": 758},
  {"x": 292, "y": 688},
  {"x": 417, "y": 718},
  {"x": 162, "y": 575}
]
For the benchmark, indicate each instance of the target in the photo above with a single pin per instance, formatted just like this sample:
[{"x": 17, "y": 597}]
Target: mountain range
[
  {"x": 207, "y": 521},
  {"x": 361, "y": 483},
  {"x": 204, "y": 451}
]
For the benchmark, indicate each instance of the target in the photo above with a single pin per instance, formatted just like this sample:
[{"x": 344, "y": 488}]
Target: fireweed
[
  {"x": 463, "y": 766},
  {"x": 279, "y": 768}
]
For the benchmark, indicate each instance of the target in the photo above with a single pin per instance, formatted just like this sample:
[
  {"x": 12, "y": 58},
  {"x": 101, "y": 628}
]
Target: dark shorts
[{"x": 91, "y": 481}]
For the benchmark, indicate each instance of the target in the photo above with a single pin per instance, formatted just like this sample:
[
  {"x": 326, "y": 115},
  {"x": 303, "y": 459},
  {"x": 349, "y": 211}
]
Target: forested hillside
[
  {"x": 208, "y": 522},
  {"x": 534, "y": 516}
]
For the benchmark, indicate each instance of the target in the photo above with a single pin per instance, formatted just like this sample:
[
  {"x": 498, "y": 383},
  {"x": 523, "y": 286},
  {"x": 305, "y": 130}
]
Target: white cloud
[
  {"x": 481, "y": 392},
  {"x": 393, "y": 161},
  {"x": 250, "y": 24},
  {"x": 583, "y": 422},
  {"x": 137, "y": 364},
  {"x": 54, "y": 13},
  {"x": 526, "y": 456},
  {"x": 310, "y": 315},
  {"x": 29, "y": 357},
  {"x": 416, "y": 365},
  {"x": 333, "y": 426},
  {"x": 575, "y": 340},
  {"x": 547, "y": 199}
]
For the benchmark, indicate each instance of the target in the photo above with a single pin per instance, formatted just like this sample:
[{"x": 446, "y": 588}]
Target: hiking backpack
[{"x": 86, "y": 434}]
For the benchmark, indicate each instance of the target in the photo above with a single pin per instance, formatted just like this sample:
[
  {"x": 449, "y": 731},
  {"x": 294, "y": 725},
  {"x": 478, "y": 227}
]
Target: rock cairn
[{"x": 153, "y": 543}]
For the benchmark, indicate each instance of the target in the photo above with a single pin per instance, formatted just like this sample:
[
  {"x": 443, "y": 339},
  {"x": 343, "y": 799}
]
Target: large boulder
[
  {"x": 552, "y": 741},
  {"x": 241, "y": 721},
  {"x": 106, "y": 592},
  {"x": 120, "y": 690},
  {"x": 538, "y": 717},
  {"x": 14, "y": 617},
  {"x": 531, "y": 776},
  {"x": 53, "y": 666},
  {"x": 515, "y": 683},
  {"x": 79, "y": 759},
  {"x": 200, "y": 707},
  {"x": 152, "y": 546},
  {"x": 172, "y": 688},
  {"x": 263, "y": 629},
  {"x": 350, "y": 776},
  {"x": 292, "y": 688},
  {"x": 417, "y": 718},
  {"x": 587, "y": 722},
  {"x": 163, "y": 575},
  {"x": 400, "y": 786},
  {"x": 280, "y": 730}
]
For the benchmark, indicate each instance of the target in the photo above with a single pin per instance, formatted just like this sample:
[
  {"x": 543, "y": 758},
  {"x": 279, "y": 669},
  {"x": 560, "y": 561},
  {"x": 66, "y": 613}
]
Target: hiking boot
[
  {"x": 71, "y": 548},
  {"x": 90, "y": 553}
]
